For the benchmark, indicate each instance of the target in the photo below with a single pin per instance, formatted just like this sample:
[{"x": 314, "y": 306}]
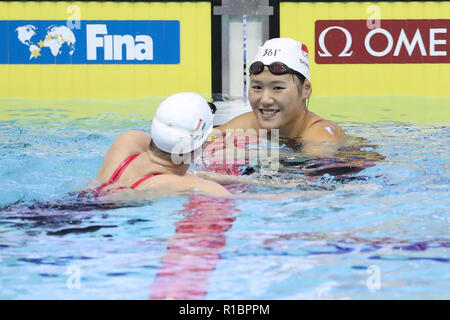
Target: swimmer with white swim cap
[
  {"x": 160, "y": 161},
  {"x": 279, "y": 89}
]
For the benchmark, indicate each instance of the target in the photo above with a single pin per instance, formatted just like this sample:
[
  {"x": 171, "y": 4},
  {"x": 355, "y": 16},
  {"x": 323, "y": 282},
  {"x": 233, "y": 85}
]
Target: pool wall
[
  {"x": 111, "y": 57},
  {"x": 367, "y": 59},
  {"x": 371, "y": 58}
]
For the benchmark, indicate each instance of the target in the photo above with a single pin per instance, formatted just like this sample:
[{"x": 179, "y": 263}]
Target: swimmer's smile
[{"x": 267, "y": 114}]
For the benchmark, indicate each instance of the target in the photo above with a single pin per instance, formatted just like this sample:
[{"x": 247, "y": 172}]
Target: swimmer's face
[{"x": 278, "y": 101}]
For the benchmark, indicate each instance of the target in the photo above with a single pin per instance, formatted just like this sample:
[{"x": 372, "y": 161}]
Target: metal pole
[{"x": 235, "y": 42}]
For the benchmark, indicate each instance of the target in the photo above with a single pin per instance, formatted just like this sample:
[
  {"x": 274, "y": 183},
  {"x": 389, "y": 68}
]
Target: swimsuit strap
[
  {"x": 116, "y": 175},
  {"x": 315, "y": 122},
  {"x": 134, "y": 185}
]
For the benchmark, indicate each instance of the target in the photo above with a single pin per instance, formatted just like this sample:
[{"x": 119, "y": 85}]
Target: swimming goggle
[
  {"x": 213, "y": 107},
  {"x": 276, "y": 68}
]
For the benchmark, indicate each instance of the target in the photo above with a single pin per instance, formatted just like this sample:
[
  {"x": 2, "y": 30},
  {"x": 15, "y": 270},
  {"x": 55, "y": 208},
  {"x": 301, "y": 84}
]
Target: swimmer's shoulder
[
  {"x": 131, "y": 142},
  {"x": 135, "y": 137},
  {"x": 182, "y": 184},
  {"x": 127, "y": 144},
  {"x": 244, "y": 121},
  {"x": 323, "y": 131}
]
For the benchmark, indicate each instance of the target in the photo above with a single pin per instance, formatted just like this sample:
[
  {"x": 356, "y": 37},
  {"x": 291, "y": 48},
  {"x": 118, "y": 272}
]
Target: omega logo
[
  {"x": 406, "y": 41},
  {"x": 348, "y": 43}
]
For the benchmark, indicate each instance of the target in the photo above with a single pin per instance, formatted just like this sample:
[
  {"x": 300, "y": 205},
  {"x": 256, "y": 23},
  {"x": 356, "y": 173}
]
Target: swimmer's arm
[
  {"x": 320, "y": 149},
  {"x": 128, "y": 195},
  {"x": 323, "y": 139},
  {"x": 210, "y": 188},
  {"x": 196, "y": 185},
  {"x": 230, "y": 179},
  {"x": 188, "y": 184},
  {"x": 221, "y": 178},
  {"x": 244, "y": 121}
]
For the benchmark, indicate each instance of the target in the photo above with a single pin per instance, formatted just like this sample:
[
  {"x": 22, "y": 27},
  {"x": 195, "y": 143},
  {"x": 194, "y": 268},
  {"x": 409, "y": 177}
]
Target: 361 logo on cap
[{"x": 270, "y": 52}]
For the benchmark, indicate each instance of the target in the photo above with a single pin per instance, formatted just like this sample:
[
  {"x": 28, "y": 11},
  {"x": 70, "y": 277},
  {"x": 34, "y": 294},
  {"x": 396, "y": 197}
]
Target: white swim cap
[
  {"x": 182, "y": 123},
  {"x": 292, "y": 53}
]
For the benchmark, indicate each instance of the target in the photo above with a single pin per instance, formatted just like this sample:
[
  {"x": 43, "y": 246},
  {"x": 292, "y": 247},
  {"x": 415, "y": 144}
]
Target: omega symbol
[{"x": 348, "y": 43}]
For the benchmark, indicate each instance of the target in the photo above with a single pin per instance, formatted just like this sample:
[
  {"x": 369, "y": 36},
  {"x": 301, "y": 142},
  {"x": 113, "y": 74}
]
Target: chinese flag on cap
[{"x": 304, "y": 48}]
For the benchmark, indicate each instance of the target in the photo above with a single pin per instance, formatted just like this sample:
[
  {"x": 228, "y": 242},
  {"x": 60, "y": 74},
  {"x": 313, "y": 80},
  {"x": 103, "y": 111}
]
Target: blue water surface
[{"x": 385, "y": 237}]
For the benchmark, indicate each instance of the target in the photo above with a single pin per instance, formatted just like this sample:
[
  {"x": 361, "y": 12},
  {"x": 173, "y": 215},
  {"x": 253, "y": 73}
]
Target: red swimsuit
[{"x": 116, "y": 176}]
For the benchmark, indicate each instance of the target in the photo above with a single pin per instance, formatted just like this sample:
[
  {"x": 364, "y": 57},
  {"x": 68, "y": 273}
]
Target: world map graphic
[{"x": 54, "y": 38}]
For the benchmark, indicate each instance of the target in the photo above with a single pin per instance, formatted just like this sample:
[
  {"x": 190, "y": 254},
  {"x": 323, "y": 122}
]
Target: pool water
[{"x": 378, "y": 233}]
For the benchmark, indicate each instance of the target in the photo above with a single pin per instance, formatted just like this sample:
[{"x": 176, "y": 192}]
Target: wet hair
[
  {"x": 213, "y": 107},
  {"x": 158, "y": 152},
  {"x": 300, "y": 77},
  {"x": 168, "y": 156}
]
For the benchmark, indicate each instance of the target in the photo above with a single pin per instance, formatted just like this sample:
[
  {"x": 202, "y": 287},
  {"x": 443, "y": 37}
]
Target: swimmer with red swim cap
[
  {"x": 279, "y": 89},
  {"x": 160, "y": 161}
]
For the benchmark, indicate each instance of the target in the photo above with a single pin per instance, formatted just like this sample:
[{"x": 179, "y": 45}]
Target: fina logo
[
  {"x": 93, "y": 42},
  {"x": 138, "y": 48}
]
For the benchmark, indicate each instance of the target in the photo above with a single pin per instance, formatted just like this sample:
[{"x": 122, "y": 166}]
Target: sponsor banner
[
  {"x": 389, "y": 41},
  {"x": 3, "y": 42},
  {"x": 372, "y": 49},
  {"x": 90, "y": 42},
  {"x": 117, "y": 51}
]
